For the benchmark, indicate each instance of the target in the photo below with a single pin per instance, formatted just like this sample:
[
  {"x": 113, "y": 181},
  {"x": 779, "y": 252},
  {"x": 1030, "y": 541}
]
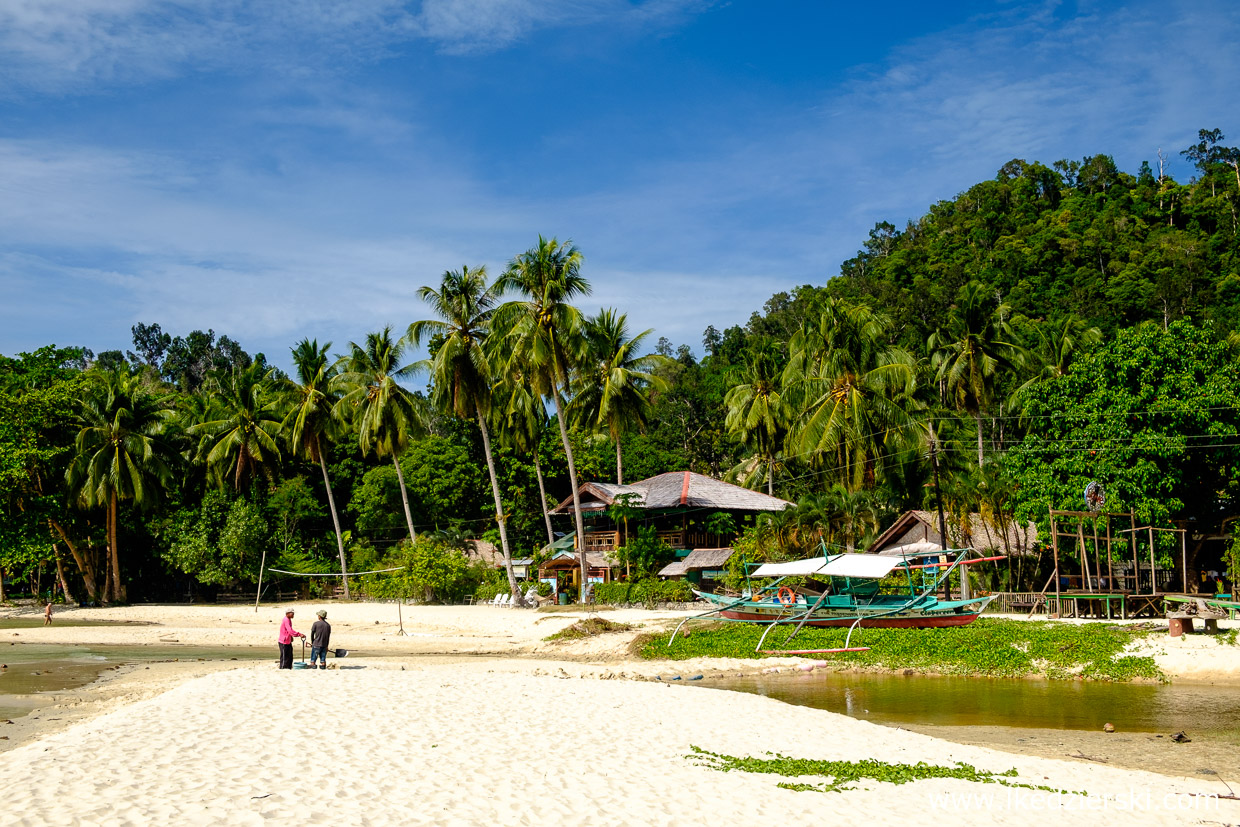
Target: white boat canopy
[{"x": 870, "y": 566}]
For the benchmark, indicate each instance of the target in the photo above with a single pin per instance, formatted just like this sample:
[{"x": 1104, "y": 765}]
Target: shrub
[{"x": 645, "y": 592}]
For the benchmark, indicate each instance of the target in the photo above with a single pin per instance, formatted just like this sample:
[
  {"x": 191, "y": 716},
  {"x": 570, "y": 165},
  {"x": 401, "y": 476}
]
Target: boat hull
[{"x": 893, "y": 622}]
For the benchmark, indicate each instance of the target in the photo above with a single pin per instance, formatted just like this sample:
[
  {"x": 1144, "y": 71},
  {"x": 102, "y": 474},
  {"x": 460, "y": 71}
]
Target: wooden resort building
[
  {"x": 975, "y": 532},
  {"x": 684, "y": 508}
]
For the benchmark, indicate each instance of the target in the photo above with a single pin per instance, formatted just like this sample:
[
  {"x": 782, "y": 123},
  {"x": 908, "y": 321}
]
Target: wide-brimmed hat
[{"x": 322, "y": 612}]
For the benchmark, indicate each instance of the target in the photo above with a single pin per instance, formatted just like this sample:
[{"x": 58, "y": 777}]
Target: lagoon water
[
  {"x": 31, "y": 669},
  {"x": 948, "y": 701}
]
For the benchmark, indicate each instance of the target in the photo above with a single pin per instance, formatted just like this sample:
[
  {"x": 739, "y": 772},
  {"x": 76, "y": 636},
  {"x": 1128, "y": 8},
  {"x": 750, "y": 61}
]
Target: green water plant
[
  {"x": 842, "y": 775},
  {"x": 988, "y": 647}
]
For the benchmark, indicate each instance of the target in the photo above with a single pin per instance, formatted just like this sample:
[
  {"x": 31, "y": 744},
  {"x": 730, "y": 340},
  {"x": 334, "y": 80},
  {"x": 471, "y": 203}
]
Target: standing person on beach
[
  {"x": 287, "y": 633},
  {"x": 320, "y": 636},
  {"x": 47, "y": 614}
]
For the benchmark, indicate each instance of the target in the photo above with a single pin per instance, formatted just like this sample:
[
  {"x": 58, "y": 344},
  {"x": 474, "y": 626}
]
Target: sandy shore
[
  {"x": 496, "y": 743},
  {"x": 509, "y": 738}
]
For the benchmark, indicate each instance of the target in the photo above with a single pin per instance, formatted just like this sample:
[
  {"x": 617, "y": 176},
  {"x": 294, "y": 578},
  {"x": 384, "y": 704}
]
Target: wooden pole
[
  {"x": 1055, "y": 547},
  {"x": 259, "y": 593},
  {"x": 1110, "y": 576},
  {"x": 1136, "y": 571},
  {"x": 1153, "y": 583},
  {"x": 1080, "y": 544},
  {"x": 1097, "y": 562},
  {"x": 1184, "y": 557}
]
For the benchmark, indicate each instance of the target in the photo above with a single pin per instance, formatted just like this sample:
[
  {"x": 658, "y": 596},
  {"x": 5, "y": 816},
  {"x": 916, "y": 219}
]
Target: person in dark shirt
[{"x": 320, "y": 637}]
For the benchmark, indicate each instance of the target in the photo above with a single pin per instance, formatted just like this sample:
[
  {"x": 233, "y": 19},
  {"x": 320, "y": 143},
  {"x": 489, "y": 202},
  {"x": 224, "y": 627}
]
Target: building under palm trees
[
  {"x": 688, "y": 511},
  {"x": 976, "y": 532}
]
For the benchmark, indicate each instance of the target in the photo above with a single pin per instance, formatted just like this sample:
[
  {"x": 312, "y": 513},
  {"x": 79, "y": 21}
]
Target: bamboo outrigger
[{"x": 850, "y": 596}]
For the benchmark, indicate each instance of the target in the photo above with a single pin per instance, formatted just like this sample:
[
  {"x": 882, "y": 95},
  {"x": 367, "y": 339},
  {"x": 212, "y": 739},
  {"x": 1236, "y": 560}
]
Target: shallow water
[
  {"x": 33, "y": 622},
  {"x": 949, "y": 701},
  {"x": 27, "y": 669}
]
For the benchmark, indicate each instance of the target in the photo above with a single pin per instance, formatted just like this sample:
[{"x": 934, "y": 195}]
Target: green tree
[
  {"x": 756, "y": 414},
  {"x": 614, "y": 383},
  {"x": 851, "y": 389},
  {"x": 971, "y": 351},
  {"x": 543, "y": 335},
  {"x": 1153, "y": 415},
  {"x": 120, "y": 455},
  {"x": 310, "y": 421},
  {"x": 243, "y": 439},
  {"x": 384, "y": 414},
  {"x": 461, "y": 373}
]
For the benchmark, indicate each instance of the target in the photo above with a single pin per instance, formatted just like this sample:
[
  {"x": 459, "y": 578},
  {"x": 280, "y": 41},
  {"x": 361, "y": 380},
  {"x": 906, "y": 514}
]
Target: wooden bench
[{"x": 1181, "y": 622}]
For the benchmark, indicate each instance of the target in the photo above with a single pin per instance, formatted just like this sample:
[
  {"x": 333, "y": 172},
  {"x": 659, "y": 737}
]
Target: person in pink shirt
[{"x": 287, "y": 633}]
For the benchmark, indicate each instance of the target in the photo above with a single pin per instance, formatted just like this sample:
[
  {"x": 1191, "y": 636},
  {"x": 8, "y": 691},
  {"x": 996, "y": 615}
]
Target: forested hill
[{"x": 1081, "y": 238}]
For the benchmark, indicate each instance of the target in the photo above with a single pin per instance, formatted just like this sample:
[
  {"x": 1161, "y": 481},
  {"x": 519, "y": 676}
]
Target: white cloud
[{"x": 69, "y": 45}]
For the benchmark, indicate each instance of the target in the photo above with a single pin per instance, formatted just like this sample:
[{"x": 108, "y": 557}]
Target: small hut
[{"x": 704, "y": 567}]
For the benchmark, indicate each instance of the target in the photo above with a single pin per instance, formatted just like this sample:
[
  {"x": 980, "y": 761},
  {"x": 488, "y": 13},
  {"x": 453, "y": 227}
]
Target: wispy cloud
[{"x": 69, "y": 45}]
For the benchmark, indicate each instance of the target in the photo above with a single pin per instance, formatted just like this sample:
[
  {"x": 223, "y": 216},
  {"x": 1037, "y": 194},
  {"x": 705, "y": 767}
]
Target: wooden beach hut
[{"x": 680, "y": 506}]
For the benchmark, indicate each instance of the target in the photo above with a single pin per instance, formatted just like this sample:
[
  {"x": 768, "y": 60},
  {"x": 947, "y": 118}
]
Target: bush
[{"x": 644, "y": 592}]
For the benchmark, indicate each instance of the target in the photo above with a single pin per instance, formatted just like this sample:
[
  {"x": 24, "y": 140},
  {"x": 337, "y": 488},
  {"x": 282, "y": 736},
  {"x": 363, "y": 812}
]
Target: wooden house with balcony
[{"x": 680, "y": 505}]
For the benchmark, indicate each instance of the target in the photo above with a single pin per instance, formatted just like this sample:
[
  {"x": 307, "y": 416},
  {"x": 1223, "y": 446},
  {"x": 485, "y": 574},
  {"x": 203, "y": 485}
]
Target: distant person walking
[
  {"x": 320, "y": 637},
  {"x": 287, "y": 633},
  {"x": 47, "y": 614}
]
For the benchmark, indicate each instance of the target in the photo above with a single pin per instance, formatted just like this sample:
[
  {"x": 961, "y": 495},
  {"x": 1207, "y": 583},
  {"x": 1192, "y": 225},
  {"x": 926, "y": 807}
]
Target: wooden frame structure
[{"x": 1092, "y": 584}]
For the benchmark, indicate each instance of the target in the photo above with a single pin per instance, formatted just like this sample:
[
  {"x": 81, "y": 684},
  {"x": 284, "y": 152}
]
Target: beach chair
[
  {"x": 498, "y": 600},
  {"x": 505, "y": 600},
  {"x": 531, "y": 597}
]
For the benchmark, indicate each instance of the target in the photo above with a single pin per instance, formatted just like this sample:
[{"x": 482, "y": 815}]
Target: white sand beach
[{"x": 498, "y": 740}]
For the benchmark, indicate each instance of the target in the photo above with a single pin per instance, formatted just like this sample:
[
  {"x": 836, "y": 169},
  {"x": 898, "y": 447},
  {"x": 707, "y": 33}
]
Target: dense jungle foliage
[{"x": 1041, "y": 330}]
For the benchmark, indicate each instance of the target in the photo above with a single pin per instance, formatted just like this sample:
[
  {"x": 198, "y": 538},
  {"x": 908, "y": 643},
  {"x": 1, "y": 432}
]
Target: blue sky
[{"x": 294, "y": 168}]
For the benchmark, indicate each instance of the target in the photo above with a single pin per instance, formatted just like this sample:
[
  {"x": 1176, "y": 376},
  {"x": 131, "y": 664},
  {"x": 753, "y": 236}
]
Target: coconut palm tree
[
  {"x": 522, "y": 420},
  {"x": 853, "y": 515},
  {"x": 461, "y": 376},
  {"x": 310, "y": 424},
  {"x": 971, "y": 351},
  {"x": 243, "y": 440},
  {"x": 613, "y": 382},
  {"x": 383, "y": 413},
  {"x": 1056, "y": 347},
  {"x": 756, "y": 413},
  {"x": 120, "y": 455},
  {"x": 852, "y": 390},
  {"x": 542, "y": 333}
]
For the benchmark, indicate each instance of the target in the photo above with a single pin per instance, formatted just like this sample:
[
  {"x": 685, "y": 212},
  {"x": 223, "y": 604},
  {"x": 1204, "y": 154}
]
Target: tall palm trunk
[
  {"x": 331, "y": 504},
  {"x": 978, "y": 417},
  {"x": 770, "y": 478},
  {"x": 542, "y": 493},
  {"x": 499, "y": 507},
  {"x": 404, "y": 496},
  {"x": 572, "y": 480},
  {"x": 619, "y": 464},
  {"x": 60, "y": 573},
  {"x": 112, "y": 551},
  {"x": 84, "y": 563}
]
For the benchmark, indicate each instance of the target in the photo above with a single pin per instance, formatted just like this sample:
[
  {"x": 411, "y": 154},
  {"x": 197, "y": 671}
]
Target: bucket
[{"x": 563, "y": 599}]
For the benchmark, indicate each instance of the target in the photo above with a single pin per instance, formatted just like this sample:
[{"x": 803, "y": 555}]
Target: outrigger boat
[{"x": 849, "y": 594}]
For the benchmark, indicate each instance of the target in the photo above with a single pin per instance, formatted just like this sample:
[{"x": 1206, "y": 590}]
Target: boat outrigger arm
[{"x": 824, "y": 612}]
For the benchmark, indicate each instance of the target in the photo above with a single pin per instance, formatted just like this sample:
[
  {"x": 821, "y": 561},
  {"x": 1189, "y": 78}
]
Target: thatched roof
[
  {"x": 675, "y": 489},
  {"x": 976, "y": 532},
  {"x": 698, "y": 559}
]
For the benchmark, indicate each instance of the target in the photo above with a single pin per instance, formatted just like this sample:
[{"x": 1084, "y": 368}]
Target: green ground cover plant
[
  {"x": 841, "y": 775},
  {"x": 987, "y": 647}
]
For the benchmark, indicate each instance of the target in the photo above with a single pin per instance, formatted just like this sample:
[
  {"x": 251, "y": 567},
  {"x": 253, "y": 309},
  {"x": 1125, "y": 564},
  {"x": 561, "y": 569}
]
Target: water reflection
[{"x": 947, "y": 701}]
